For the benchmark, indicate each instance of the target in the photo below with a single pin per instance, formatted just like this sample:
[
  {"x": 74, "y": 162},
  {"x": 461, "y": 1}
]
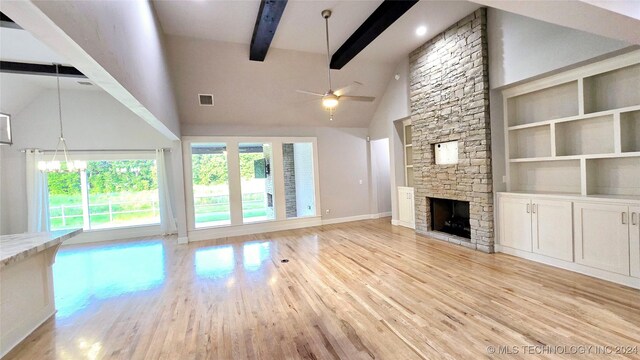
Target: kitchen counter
[
  {"x": 20, "y": 246},
  {"x": 26, "y": 278}
]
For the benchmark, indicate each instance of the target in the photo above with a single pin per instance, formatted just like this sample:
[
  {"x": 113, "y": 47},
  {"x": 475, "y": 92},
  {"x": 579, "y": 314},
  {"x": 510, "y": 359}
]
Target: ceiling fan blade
[
  {"x": 347, "y": 88},
  {"x": 309, "y": 92},
  {"x": 357, "y": 98}
]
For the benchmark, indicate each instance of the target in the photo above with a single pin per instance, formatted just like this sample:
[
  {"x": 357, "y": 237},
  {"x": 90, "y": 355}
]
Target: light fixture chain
[{"x": 59, "y": 102}]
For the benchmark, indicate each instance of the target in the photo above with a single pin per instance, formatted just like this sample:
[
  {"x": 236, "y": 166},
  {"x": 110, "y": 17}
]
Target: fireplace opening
[{"x": 450, "y": 216}]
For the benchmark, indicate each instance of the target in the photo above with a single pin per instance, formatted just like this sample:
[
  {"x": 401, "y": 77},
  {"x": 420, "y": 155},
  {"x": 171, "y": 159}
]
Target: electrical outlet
[
  {"x": 504, "y": 178},
  {"x": 360, "y": 181}
]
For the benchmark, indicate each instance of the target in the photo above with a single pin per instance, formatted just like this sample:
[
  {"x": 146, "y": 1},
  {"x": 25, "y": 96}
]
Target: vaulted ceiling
[
  {"x": 302, "y": 27},
  {"x": 208, "y": 46}
]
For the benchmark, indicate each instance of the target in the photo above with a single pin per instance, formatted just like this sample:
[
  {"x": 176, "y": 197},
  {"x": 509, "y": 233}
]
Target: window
[
  {"x": 299, "y": 186},
  {"x": 109, "y": 194},
  {"x": 256, "y": 182},
  {"x": 249, "y": 180},
  {"x": 210, "y": 184}
]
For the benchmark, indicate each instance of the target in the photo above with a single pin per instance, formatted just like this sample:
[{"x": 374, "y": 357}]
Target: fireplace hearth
[{"x": 451, "y": 217}]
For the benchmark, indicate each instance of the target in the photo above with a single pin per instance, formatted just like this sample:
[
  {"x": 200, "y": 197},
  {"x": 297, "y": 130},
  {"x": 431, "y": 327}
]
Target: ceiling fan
[{"x": 331, "y": 98}]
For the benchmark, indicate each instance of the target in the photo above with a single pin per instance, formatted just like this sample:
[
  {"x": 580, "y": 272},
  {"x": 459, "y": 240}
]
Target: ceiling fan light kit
[{"x": 331, "y": 99}]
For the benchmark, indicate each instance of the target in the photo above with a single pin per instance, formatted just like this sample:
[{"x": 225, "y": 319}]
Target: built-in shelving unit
[
  {"x": 576, "y": 133},
  {"x": 408, "y": 153}
]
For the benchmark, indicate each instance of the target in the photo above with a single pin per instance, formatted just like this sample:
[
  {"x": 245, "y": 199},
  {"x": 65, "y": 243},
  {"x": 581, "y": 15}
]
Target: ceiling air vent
[{"x": 205, "y": 99}]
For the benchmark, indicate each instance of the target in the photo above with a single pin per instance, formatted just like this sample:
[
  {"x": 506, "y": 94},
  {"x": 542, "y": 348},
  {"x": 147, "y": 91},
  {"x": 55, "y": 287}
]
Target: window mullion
[
  {"x": 235, "y": 192},
  {"x": 84, "y": 186}
]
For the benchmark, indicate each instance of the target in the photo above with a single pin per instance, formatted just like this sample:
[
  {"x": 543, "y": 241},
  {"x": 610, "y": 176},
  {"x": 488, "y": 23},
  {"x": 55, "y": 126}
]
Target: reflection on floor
[
  {"x": 357, "y": 290},
  {"x": 82, "y": 276}
]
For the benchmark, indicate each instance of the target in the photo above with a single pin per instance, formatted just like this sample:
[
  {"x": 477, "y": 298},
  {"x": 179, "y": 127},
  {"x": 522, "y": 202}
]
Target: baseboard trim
[
  {"x": 8, "y": 344},
  {"x": 249, "y": 229},
  {"x": 381, "y": 215},
  {"x": 93, "y": 236},
  {"x": 346, "y": 219},
  {"x": 405, "y": 224},
  {"x": 571, "y": 266}
]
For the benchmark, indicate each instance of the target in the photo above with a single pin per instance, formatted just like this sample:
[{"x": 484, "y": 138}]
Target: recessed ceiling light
[{"x": 421, "y": 30}]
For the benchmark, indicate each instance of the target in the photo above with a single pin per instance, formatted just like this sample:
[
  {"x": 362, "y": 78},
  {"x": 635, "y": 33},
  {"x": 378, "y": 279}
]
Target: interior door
[
  {"x": 515, "y": 222},
  {"x": 552, "y": 228},
  {"x": 602, "y": 236}
]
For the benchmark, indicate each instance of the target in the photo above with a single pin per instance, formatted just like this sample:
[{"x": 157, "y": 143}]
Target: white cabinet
[
  {"x": 634, "y": 240},
  {"x": 515, "y": 222},
  {"x": 552, "y": 231},
  {"x": 406, "y": 208},
  {"x": 541, "y": 226},
  {"x": 602, "y": 236}
]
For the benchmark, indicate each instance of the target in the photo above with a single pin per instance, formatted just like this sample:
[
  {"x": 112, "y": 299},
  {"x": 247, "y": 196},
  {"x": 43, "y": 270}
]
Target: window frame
[
  {"x": 112, "y": 155},
  {"x": 233, "y": 165}
]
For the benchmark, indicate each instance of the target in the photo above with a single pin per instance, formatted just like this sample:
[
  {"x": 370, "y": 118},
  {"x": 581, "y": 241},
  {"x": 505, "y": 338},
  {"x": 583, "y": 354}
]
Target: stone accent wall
[
  {"x": 289, "y": 180},
  {"x": 449, "y": 90}
]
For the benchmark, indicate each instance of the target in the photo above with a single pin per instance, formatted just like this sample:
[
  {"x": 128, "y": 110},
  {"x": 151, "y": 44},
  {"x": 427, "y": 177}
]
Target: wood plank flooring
[{"x": 357, "y": 290}]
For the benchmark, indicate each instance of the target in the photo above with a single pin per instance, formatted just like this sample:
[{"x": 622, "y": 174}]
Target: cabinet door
[
  {"x": 412, "y": 208},
  {"x": 602, "y": 236},
  {"x": 515, "y": 223},
  {"x": 634, "y": 240},
  {"x": 406, "y": 209},
  {"x": 552, "y": 228},
  {"x": 403, "y": 206}
]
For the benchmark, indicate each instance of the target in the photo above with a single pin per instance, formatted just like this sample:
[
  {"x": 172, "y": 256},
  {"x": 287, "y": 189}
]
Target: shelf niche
[
  {"x": 531, "y": 142},
  {"x": 612, "y": 90},
  {"x": 587, "y": 136},
  {"x": 546, "y": 104},
  {"x": 630, "y": 131},
  {"x": 561, "y": 176},
  {"x": 615, "y": 176}
]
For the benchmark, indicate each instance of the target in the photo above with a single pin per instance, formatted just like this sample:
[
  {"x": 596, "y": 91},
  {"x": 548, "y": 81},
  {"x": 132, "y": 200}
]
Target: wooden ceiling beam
[
  {"x": 39, "y": 69},
  {"x": 6, "y": 22},
  {"x": 265, "y": 28},
  {"x": 385, "y": 15}
]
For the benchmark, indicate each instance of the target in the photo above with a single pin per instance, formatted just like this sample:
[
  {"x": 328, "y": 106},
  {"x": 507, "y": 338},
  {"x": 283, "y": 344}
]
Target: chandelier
[{"x": 68, "y": 165}]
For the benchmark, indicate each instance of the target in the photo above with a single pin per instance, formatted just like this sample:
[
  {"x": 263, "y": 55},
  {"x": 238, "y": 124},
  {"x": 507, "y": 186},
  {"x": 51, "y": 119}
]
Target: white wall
[
  {"x": 380, "y": 177},
  {"x": 521, "y": 47},
  {"x": 92, "y": 120},
  {"x": 117, "y": 44},
  {"x": 250, "y": 92},
  {"x": 342, "y": 162},
  {"x": 394, "y": 106}
]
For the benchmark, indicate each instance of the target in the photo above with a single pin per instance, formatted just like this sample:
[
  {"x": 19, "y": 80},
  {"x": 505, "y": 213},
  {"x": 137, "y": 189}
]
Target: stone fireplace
[
  {"x": 449, "y": 91},
  {"x": 450, "y": 217}
]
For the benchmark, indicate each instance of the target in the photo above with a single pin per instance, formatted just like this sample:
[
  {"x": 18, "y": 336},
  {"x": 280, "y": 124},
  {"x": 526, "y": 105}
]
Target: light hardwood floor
[{"x": 350, "y": 291}]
